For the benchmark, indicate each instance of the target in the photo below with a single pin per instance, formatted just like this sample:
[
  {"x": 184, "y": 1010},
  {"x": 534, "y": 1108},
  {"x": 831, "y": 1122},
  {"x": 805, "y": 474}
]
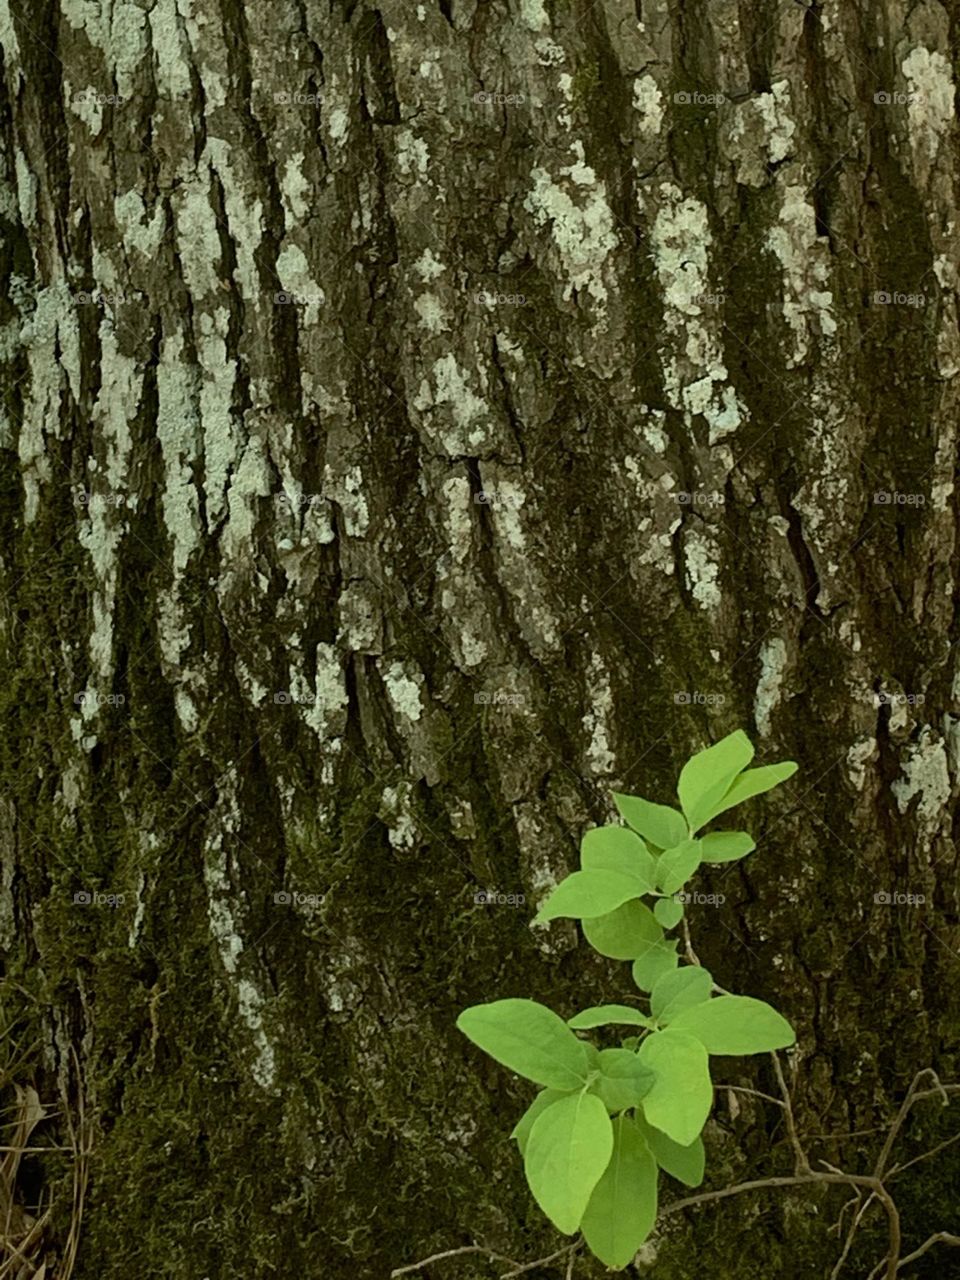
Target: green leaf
[
  {"x": 602, "y": 1015},
  {"x": 568, "y": 1149},
  {"x": 658, "y": 958},
  {"x": 681, "y": 1097},
  {"x": 590, "y": 893},
  {"x": 624, "y": 1080},
  {"x": 706, "y": 777},
  {"x": 679, "y": 990},
  {"x": 528, "y": 1038},
  {"x": 623, "y": 1207},
  {"x": 545, "y": 1098},
  {"x": 668, "y": 912},
  {"x": 736, "y": 1025},
  {"x": 726, "y": 846},
  {"x": 752, "y": 783},
  {"x": 618, "y": 849},
  {"x": 662, "y": 826},
  {"x": 625, "y": 933},
  {"x": 676, "y": 866},
  {"x": 686, "y": 1164}
]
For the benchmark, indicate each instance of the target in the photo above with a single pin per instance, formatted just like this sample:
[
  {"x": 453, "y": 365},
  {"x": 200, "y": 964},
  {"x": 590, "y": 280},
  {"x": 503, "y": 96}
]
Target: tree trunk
[{"x": 420, "y": 420}]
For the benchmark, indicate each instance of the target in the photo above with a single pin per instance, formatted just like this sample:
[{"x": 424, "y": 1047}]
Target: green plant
[{"x": 608, "y": 1120}]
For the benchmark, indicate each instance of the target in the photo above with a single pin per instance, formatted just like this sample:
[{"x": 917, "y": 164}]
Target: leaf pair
[
  {"x": 589, "y": 1173},
  {"x": 531, "y": 1040},
  {"x": 713, "y": 781},
  {"x": 616, "y": 867}
]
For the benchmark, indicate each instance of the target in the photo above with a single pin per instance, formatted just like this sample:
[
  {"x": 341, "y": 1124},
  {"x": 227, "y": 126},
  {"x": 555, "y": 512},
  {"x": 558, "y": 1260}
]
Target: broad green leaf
[
  {"x": 686, "y": 1164},
  {"x": 676, "y": 866},
  {"x": 752, "y": 783},
  {"x": 726, "y": 846},
  {"x": 658, "y": 958},
  {"x": 568, "y": 1149},
  {"x": 632, "y": 1043},
  {"x": 662, "y": 826},
  {"x": 591, "y": 893},
  {"x": 618, "y": 849},
  {"x": 706, "y": 777},
  {"x": 602, "y": 1015},
  {"x": 593, "y": 1056},
  {"x": 545, "y": 1098},
  {"x": 736, "y": 1025},
  {"x": 625, "y": 933},
  {"x": 528, "y": 1038},
  {"x": 623, "y": 1207},
  {"x": 679, "y": 990},
  {"x": 668, "y": 912},
  {"x": 624, "y": 1080},
  {"x": 681, "y": 1097}
]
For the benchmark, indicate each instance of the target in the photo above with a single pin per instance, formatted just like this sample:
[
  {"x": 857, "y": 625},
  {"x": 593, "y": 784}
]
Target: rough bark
[{"x": 249, "y": 531}]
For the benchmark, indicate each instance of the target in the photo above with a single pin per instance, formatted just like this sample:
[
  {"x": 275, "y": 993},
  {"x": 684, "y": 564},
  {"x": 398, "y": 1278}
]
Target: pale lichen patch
[
  {"x": 597, "y": 719},
  {"x": 858, "y": 757},
  {"x": 702, "y": 569},
  {"x": 403, "y": 684},
  {"x": 692, "y": 358},
  {"x": 137, "y": 231},
  {"x": 803, "y": 257},
  {"x": 648, "y": 103},
  {"x": 925, "y": 775},
  {"x": 930, "y": 108},
  {"x": 773, "y": 661},
  {"x": 428, "y": 267},
  {"x": 582, "y": 230}
]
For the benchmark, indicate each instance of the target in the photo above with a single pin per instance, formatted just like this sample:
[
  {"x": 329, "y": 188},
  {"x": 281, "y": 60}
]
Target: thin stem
[
  {"x": 542, "y": 1262},
  {"x": 899, "y": 1168},
  {"x": 802, "y": 1162},
  {"x": 754, "y": 1093},
  {"x": 451, "y": 1253}
]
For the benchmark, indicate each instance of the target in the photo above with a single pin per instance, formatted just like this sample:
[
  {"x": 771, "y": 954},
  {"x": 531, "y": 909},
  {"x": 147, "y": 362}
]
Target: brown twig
[
  {"x": 802, "y": 1163},
  {"x": 542, "y": 1262},
  {"x": 939, "y": 1237},
  {"x": 899, "y": 1168},
  {"x": 450, "y": 1253}
]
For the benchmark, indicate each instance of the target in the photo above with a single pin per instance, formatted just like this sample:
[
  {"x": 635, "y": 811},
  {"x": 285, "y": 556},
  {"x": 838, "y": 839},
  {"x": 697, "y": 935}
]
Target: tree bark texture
[{"x": 420, "y": 420}]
